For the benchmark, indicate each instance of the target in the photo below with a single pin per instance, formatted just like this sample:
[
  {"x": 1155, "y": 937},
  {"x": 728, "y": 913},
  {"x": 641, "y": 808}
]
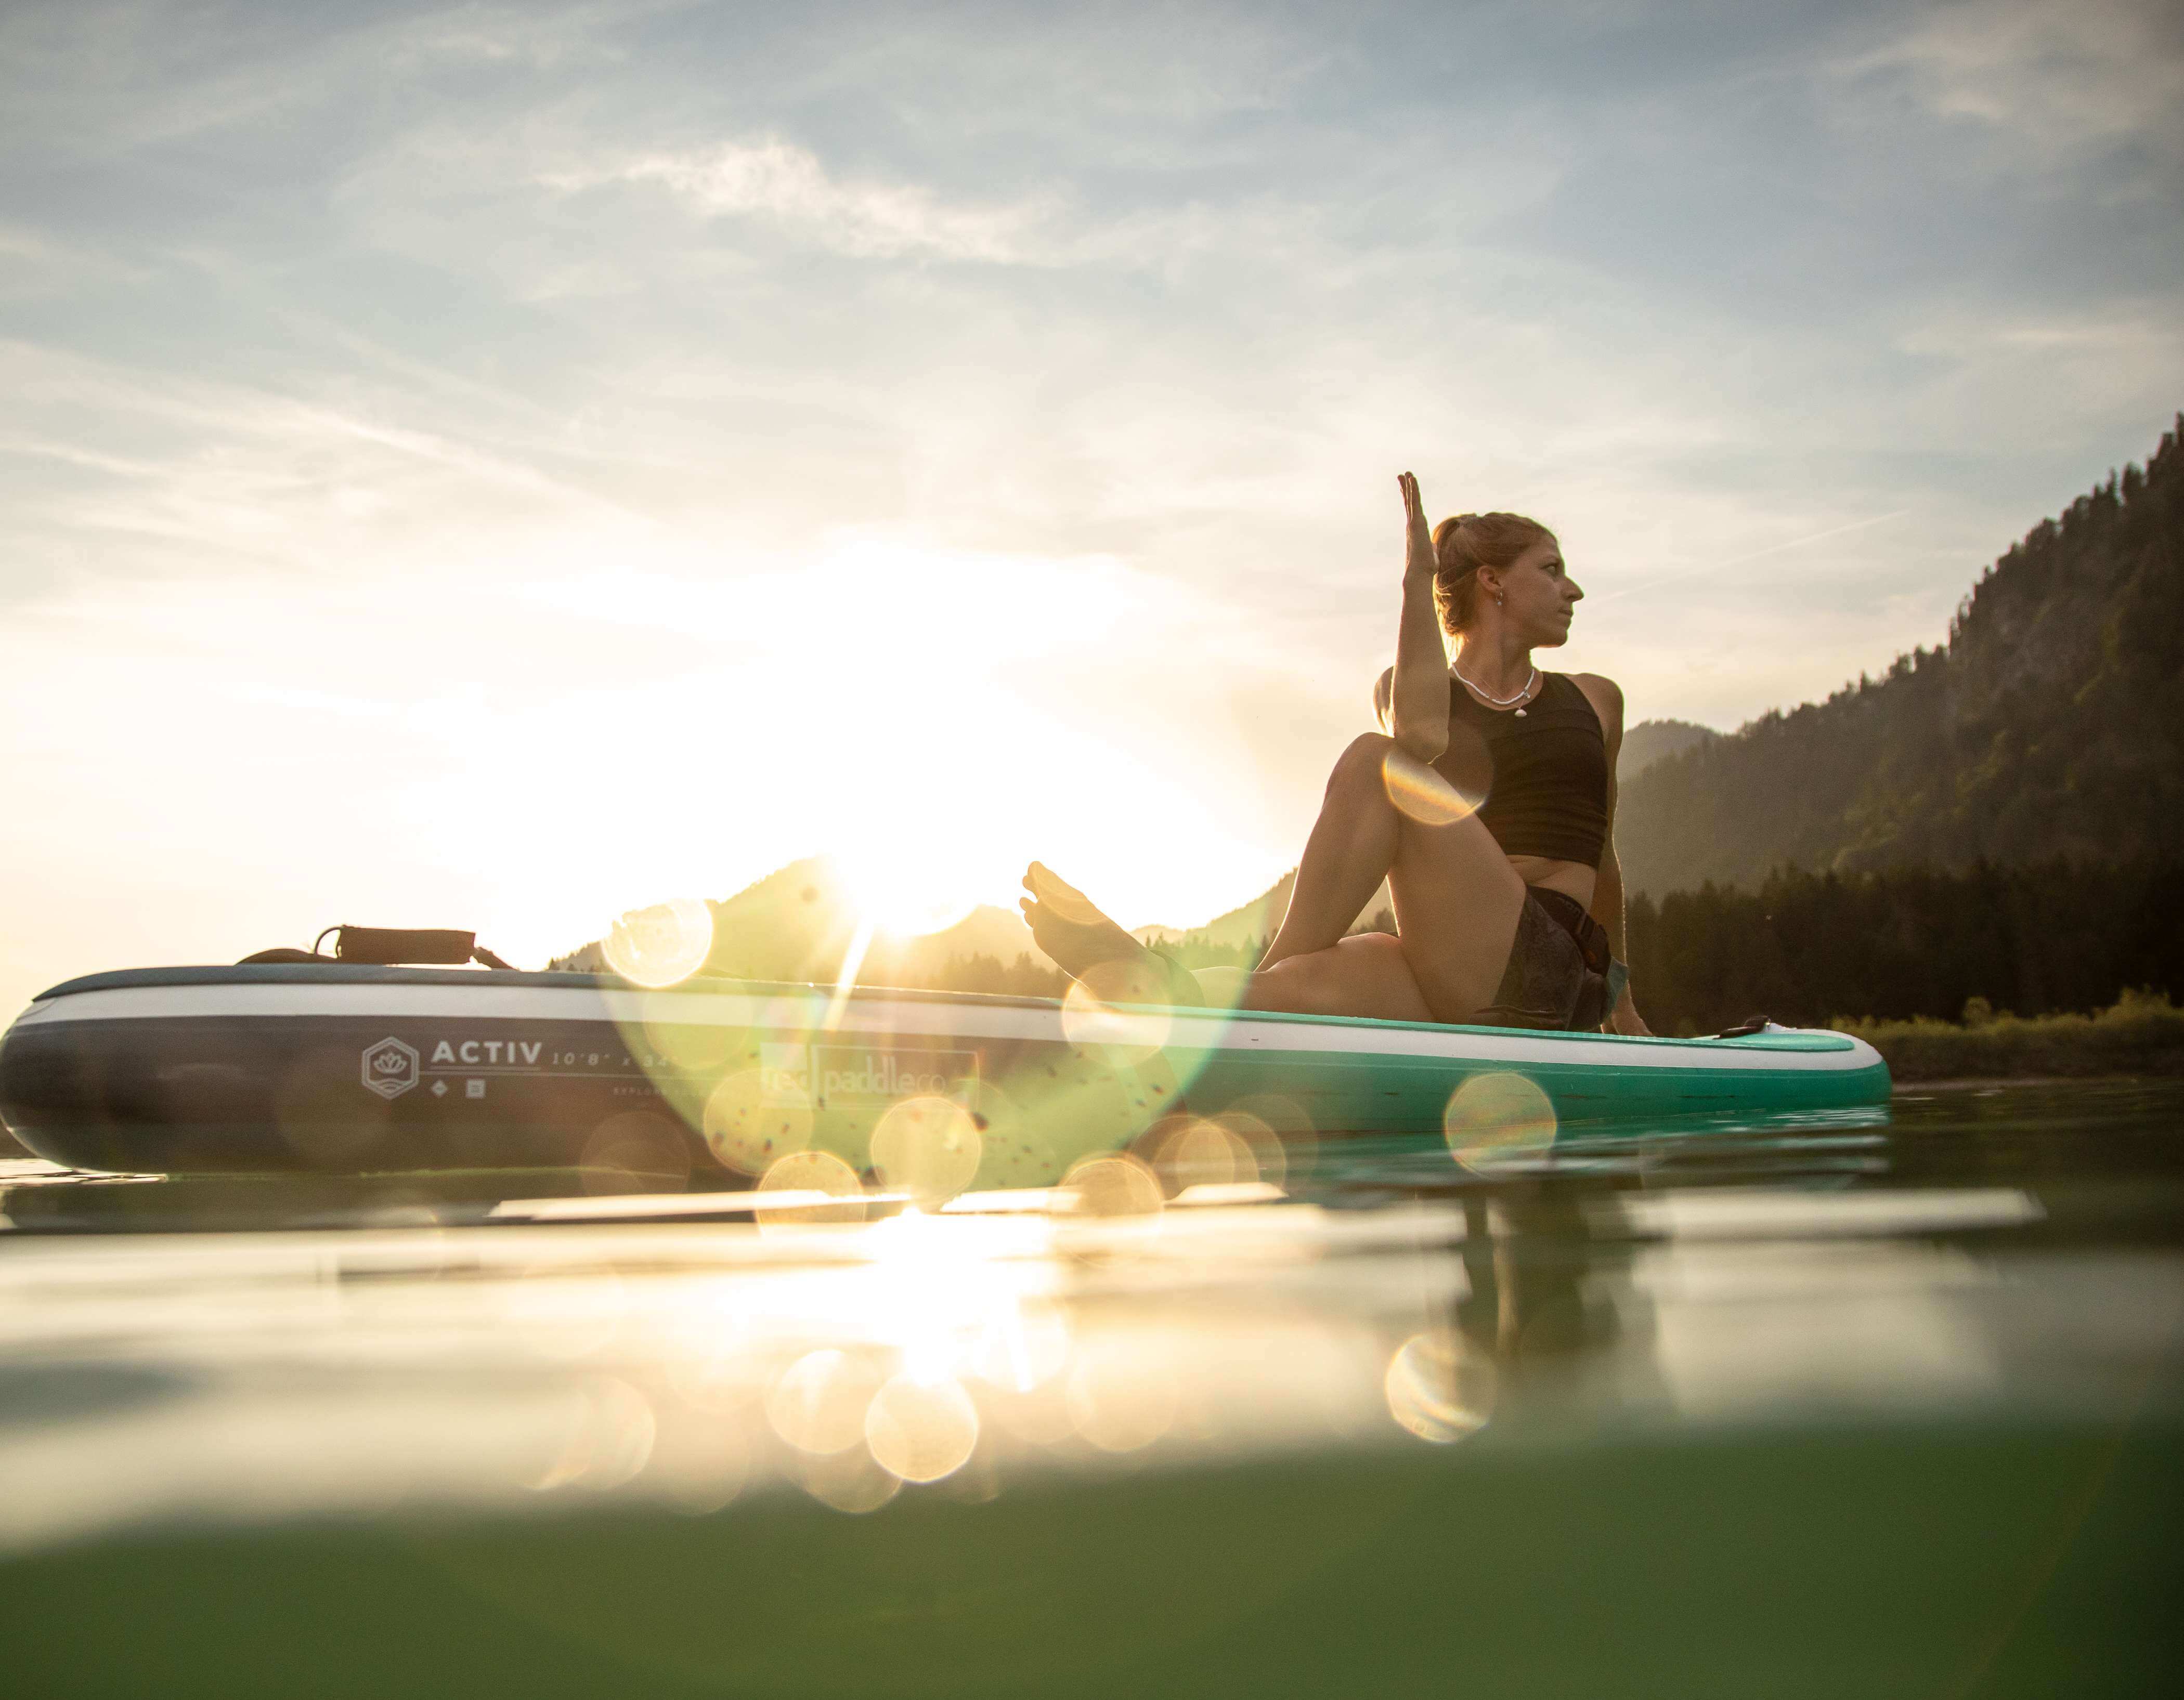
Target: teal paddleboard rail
[{"x": 319, "y": 1065}]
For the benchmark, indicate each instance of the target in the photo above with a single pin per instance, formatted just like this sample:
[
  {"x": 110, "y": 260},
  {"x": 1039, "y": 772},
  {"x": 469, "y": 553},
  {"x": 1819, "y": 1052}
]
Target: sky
[{"x": 496, "y": 466}]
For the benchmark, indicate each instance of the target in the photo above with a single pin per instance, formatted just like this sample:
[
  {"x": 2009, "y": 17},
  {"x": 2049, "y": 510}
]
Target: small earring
[{"x": 1497, "y": 602}]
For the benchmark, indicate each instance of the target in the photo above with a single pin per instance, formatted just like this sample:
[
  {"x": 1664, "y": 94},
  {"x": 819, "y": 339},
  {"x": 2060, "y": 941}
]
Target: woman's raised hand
[{"x": 1418, "y": 558}]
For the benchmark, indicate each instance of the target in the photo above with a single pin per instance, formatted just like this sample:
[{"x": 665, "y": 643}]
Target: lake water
[{"x": 1849, "y": 1410}]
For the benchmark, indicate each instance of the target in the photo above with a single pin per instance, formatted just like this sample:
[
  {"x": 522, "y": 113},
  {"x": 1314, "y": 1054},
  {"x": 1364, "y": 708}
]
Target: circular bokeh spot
[
  {"x": 818, "y": 1405},
  {"x": 1113, "y": 1185},
  {"x": 921, "y": 1431},
  {"x": 926, "y": 1147},
  {"x": 1013, "y": 1154},
  {"x": 1190, "y": 1151},
  {"x": 638, "y": 1151},
  {"x": 756, "y": 1117},
  {"x": 1438, "y": 1389},
  {"x": 1497, "y": 1120},
  {"x": 810, "y": 1172},
  {"x": 662, "y": 943},
  {"x": 1118, "y": 1008},
  {"x": 1295, "y": 1141}
]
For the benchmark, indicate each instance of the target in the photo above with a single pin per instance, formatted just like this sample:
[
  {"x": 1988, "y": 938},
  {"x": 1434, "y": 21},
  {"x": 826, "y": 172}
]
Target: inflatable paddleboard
[{"x": 353, "y": 1069}]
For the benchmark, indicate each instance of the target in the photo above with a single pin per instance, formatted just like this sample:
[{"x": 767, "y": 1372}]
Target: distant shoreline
[
  {"x": 2141, "y": 1034},
  {"x": 1996, "y": 1082}
]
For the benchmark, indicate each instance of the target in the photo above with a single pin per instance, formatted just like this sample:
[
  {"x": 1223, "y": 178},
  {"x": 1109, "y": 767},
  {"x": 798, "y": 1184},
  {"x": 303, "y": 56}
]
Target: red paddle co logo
[{"x": 390, "y": 1067}]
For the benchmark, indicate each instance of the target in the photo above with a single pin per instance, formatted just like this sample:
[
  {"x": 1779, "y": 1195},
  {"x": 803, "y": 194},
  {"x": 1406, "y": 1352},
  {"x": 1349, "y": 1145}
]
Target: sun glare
[{"x": 906, "y": 883}]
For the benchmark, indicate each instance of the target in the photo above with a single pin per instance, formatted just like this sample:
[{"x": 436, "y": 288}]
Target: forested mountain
[
  {"x": 2051, "y": 725},
  {"x": 1651, "y": 741}
]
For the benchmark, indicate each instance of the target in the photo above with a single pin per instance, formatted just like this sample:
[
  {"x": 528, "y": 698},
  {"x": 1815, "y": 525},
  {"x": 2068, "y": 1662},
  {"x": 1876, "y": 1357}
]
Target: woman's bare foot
[{"x": 1069, "y": 926}]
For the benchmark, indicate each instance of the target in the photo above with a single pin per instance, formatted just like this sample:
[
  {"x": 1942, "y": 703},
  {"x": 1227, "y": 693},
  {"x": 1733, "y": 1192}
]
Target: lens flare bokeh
[
  {"x": 1294, "y": 1148},
  {"x": 1190, "y": 1151},
  {"x": 1118, "y": 1008},
  {"x": 921, "y": 1431},
  {"x": 818, "y": 1405},
  {"x": 1112, "y": 1185},
  {"x": 1438, "y": 1388},
  {"x": 1424, "y": 792},
  {"x": 638, "y": 1151},
  {"x": 662, "y": 944},
  {"x": 1498, "y": 1120},
  {"x": 926, "y": 1147},
  {"x": 755, "y": 1118},
  {"x": 1013, "y": 1154},
  {"x": 809, "y": 1172},
  {"x": 610, "y": 1435}
]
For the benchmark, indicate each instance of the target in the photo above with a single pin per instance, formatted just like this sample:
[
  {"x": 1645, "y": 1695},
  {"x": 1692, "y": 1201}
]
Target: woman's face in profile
[{"x": 1540, "y": 597}]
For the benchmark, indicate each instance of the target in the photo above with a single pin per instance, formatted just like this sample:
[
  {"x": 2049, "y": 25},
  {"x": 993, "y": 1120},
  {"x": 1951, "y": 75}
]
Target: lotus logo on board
[{"x": 390, "y": 1067}]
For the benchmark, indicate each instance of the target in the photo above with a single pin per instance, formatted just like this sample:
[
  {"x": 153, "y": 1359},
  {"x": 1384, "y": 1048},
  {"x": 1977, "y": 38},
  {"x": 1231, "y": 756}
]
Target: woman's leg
[
  {"x": 1364, "y": 975},
  {"x": 1352, "y": 847},
  {"x": 1353, "y": 844},
  {"x": 1457, "y": 903},
  {"x": 1456, "y": 899}
]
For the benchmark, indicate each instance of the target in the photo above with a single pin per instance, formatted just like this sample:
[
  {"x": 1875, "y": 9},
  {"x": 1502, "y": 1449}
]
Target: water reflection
[{"x": 485, "y": 1340}]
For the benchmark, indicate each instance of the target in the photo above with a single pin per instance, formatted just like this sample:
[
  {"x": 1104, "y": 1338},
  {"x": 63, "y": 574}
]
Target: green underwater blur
[{"x": 1882, "y": 1409}]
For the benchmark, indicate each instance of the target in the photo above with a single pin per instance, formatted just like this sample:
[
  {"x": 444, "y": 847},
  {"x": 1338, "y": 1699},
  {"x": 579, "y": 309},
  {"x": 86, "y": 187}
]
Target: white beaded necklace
[{"x": 1493, "y": 701}]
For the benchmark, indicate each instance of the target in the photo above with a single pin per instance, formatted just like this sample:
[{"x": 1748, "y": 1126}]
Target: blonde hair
[{"x": 1465, "y": 542}]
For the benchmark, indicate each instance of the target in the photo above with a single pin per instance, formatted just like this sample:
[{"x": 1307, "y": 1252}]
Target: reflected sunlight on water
[{"x": 851, "y": 1342}]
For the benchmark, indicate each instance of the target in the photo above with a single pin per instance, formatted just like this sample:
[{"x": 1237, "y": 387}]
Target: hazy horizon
[{"x": 495, "y": 467}]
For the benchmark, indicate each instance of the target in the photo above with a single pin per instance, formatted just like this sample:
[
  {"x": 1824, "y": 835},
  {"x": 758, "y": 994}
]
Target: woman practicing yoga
[{"x": 1486, "y": 801}]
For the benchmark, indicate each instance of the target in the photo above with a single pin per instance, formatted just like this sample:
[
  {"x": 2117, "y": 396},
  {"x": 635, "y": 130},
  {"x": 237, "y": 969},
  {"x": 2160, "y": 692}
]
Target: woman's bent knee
[
  {"x": 1360, "y": 767},
  {"x": 1366, "y": 974}
]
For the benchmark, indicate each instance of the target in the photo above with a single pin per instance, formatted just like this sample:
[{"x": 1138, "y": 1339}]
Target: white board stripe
[{"x": 876, "y": 1015}]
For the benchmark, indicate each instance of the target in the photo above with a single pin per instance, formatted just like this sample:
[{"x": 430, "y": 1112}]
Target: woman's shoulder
[{"x": 1606, "y": 697}]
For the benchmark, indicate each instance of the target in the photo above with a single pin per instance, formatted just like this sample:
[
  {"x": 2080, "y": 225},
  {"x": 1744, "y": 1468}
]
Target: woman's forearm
[
  {"x": 1417, "y": 718},
  {"x": 1607, "y": 906},
  {"x": 1608, "y": 909},
  {"x": 1418, "y": 696}
]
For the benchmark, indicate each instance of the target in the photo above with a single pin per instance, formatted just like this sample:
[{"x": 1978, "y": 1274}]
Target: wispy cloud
[
  {"x": 779, "y": 181},
  {"x": 2051, "y": 83}
]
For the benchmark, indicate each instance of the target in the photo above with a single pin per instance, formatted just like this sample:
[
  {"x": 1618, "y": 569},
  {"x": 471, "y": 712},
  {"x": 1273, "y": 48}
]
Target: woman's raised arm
[{"x": 1417, "y": 698}]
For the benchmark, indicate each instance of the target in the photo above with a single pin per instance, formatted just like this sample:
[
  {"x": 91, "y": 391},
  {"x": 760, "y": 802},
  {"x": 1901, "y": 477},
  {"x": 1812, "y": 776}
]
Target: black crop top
[{"x": 1544, "y": 771}]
